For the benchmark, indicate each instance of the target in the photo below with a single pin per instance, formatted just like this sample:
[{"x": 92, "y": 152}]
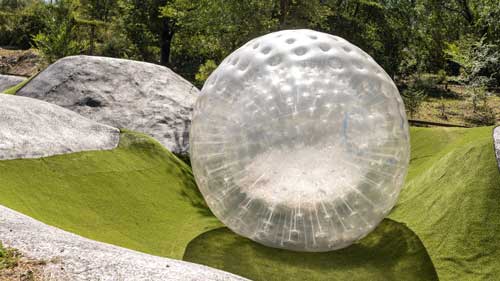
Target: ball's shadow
[{"x": 391, "y": 252}]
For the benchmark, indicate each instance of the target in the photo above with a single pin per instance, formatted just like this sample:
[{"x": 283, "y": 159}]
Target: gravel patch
[{"x": 72, "y": 257}]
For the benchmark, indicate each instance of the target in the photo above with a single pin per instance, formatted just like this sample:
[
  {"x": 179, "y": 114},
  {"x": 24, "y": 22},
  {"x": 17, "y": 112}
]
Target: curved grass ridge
[
  {"x": 138, "y": 196},
  {"x": 391, "y": 252},
  {"x": 142, "y": 197},
  {"x": 451, "y": 201}
]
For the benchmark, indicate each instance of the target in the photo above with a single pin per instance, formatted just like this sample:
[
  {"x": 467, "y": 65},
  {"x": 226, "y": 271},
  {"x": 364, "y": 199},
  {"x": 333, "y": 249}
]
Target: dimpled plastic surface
[{"x": 300, "y": 141}]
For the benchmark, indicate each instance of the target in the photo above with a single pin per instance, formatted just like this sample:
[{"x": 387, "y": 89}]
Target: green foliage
[
  {"x": 479, "y": 61},
  {"x": 391, "y": 252},
  {"x": 8, "y": 257},
  {"x": 100, "y": 10},
  {"x": 205, "y": 71},
  {"x": 15, "y": 5},
  {"x": 442, "y": 77},
  {"x": 18, "y": 26},
  {"x": 211, "y": 30},
  {"x": 59, "y": 38},
  {"x": 141, "y": 23},
  {"x": 483, "y": 114},
  {"x": 58, "y": 42},
  {"x": 115, "y": 43},
  {"x": 407, "y": 38},
  {"x": 413, "y": 99}
]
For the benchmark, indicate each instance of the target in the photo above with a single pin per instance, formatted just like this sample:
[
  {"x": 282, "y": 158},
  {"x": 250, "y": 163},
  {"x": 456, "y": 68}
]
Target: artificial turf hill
[{"x": 140, "y": 196}]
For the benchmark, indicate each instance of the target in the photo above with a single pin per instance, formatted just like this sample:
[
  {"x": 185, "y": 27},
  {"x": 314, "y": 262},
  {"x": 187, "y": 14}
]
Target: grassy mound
[
  {"x": 138, "y": 196},
  {"x": 141, "y": 197},
  {"x": 391, "y": 252},
  {"x": 451, "y": 201}
]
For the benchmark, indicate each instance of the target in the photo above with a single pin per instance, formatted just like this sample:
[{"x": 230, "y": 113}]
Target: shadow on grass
[
  {"x": 390, "y": 252},
  {"x": 192, "y": 194},
  {"x": 180, "y": 171}
]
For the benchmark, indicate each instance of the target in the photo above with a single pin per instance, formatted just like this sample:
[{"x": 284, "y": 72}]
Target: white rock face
[
  {"x": 496, "y": 140},
  {"x": 300, "y": 141},
  {"x": 8, "y": 81},
  {"x": 31, "y": 128},
  {"x": 139, "y": 96},
  {"x": 72, "y": 257}
]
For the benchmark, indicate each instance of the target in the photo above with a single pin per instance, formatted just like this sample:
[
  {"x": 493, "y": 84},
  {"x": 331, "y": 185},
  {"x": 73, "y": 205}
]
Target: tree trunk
[
  {"x": 92, "y": 39},
  {"x": 284, "y": 6},
  {"x": 166, "y": 35},
  {"x": 466, "y": 11}
]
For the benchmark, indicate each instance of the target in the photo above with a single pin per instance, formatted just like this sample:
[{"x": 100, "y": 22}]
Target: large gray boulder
[
  {"x": 121, "y": 93},
  {"x": 31, "y": 128},
  {"x": 8, "y": 81},
  {"x": 71, "y": 257},
  {"x": 496, "y": 141}
]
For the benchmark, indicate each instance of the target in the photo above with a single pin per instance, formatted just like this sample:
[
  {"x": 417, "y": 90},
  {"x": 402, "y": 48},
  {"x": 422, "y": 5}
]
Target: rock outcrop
[
  {"x": 139, "y": 96},
  {"x": 31, "y": 128},
  {"x": 72, "y": 257},
  {"x": 8, "y": 81}
]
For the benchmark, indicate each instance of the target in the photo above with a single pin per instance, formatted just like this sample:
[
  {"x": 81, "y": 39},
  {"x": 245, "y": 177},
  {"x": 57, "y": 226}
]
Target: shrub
[
  {"x": 482, "y": 113},
  {"x": 8, "y": 257},
  {"x": 58, "y": 42},
  {"x": 60, "y": 37},
  {"x": 204, "y": 71},
  {"x": 477, "y": 59},
  {"x": 18, "y": 27},
  {"x": 413, "y": 99}
]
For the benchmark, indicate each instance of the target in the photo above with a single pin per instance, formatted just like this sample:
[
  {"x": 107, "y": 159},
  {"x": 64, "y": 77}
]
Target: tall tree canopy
[{"x": 405, "y": 36}]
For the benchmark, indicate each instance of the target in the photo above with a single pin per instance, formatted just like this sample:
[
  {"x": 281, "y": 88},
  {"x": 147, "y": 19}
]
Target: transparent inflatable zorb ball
[{"x": 300, "y": 141}]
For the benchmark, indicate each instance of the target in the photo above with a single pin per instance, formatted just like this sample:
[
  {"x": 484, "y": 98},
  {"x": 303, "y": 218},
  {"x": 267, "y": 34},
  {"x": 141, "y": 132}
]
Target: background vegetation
[{"x": 444, "y": 55}]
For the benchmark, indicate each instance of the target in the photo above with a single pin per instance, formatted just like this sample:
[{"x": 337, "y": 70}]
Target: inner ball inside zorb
[{"x": 299, "y": 140}]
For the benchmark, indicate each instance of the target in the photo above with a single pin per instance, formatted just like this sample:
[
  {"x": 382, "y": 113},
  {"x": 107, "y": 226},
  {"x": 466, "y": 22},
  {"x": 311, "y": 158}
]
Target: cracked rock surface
[
  {"x": 496, "y": 141},
  {"x": 31, "y": 128},
  {"x": 138, "y": 96},
  {"x": 8, "y": 81},
  {"x": 72, "y": 257}
]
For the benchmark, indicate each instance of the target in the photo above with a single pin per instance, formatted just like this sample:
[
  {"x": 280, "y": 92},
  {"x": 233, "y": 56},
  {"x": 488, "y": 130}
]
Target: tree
[
  {"x": 151, "y": 32},
  {"x": 101, "y": 10},
  {"x": 479, "y": 61},
  {"x": 381, "y": 29},
  {"x": 21, "y": 21},
  {"x": 210, "y": 30},
  {"x": 59, "y": 37}
]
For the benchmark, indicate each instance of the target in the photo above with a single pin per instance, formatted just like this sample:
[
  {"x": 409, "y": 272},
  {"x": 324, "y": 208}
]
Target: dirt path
[{"x": 20, "y": 62}]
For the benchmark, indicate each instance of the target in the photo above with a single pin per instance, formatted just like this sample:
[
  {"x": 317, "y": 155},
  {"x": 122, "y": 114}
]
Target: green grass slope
[
  {"x": 139, "y": 195},
  {"x": 391, "y": 252},
  {"x": 451, "y": 200}
]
